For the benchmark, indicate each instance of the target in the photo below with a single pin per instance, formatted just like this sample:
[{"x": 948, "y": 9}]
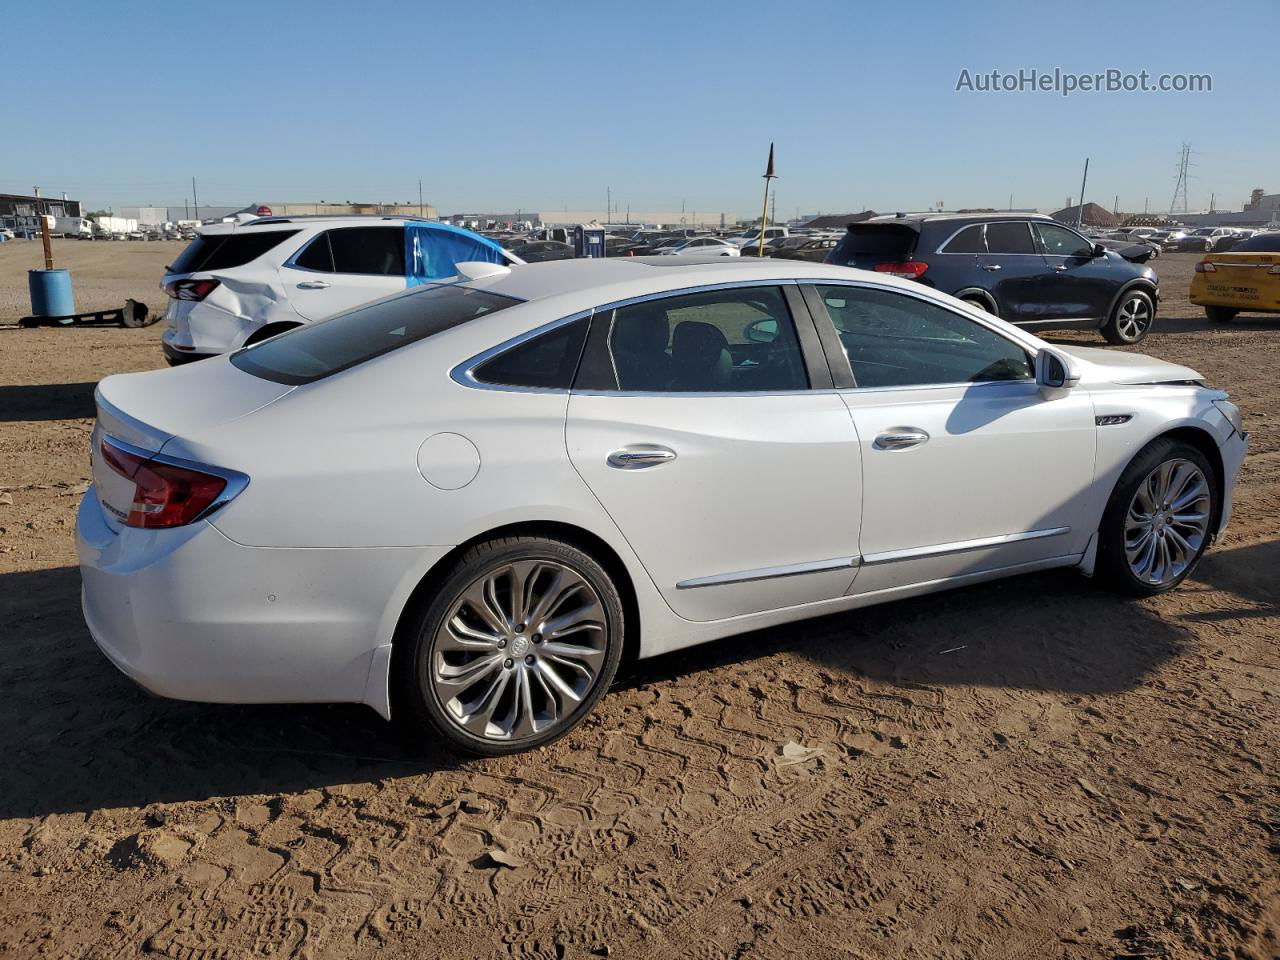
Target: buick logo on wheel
[{"x": 518, "y": 646}]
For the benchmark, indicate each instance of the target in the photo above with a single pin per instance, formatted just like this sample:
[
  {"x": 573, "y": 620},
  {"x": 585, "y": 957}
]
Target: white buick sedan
[{"x": 464, "y": 504}]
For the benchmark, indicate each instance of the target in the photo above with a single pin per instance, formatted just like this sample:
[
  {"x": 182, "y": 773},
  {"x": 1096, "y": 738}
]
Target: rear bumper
[{"x": 189, "y": 614}]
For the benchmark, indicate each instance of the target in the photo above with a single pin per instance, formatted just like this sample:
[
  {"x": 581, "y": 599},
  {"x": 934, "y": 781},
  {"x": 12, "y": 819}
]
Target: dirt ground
[{"x": 1027, "y": 769}]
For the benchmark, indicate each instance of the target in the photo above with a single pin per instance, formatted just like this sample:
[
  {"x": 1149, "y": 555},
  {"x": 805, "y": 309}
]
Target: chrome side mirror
[{"x": 1055, "y": 372}]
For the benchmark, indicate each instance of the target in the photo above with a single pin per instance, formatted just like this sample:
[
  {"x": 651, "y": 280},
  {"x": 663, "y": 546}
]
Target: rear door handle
[
  {"x": 991, "y": 267},
  {"x": 637, "y": 458},
  {"x": 901, "y": 439},
  {"x": 1060, "y": 268},
  {"x": 312, "y": 285}
]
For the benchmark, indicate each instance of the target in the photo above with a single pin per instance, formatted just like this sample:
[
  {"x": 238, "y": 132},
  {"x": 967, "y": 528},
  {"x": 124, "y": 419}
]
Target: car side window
[
  {"x": 376, "y": 251},
  {"x": 968, "y": 240},
  {"x": 719, "y": 341},
  {"x": 547, "y": 361},
  {"x": 1061, "y": 242},
  {"x": 895, "y": 340},
  {"x": 1009, "y": 236},
  {"x": 316, "y": 255}
]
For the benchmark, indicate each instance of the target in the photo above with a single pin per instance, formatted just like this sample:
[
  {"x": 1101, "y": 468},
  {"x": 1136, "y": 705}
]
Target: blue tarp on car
[{"x": 432, "y": 251}]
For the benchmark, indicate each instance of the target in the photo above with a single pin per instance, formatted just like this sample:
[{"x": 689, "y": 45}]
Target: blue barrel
[{"x": 51, "y": 293}]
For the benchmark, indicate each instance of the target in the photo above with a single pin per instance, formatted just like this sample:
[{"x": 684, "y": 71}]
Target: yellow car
[{"x": 1244, "y": 279}]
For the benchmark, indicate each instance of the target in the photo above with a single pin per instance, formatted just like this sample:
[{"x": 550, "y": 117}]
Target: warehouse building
[{"x": 18, "y": 212}]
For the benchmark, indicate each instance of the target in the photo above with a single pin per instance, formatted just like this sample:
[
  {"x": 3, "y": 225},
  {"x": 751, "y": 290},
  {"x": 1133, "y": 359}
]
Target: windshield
[{"x": 318, "y": 350}]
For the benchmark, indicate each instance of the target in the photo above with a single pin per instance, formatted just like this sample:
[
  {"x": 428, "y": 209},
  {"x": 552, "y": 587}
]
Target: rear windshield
[
  {"x": 318, "y": 350},
  {"x": 1259, "y": 243},
  {"x": 221, "y": 251},
  {"x": 865, "y": 244}
]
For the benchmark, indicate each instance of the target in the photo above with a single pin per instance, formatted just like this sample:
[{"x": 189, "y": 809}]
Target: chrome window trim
[
  {"x": 769, "y": 573},
  {"x": 236, "y": 481},
  {"x": 464, "y": 373},
  {"x": 960, "y": 546}
]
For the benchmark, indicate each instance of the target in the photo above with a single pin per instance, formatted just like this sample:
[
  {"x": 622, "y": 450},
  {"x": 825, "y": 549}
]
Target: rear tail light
[
  {"x": 1204, "y": 266},
  {"x": 192, "y": 289},
  {"x": 909, "y": 269},
  {"x": 164, "y": 494}
]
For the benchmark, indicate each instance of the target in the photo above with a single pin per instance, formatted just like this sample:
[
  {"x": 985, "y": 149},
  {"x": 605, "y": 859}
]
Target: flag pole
[{"x": 764, "y": 216}]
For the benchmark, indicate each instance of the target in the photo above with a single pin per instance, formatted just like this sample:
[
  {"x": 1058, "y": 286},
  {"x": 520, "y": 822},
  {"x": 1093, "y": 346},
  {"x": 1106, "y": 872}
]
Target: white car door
[
  {"x": 343, "y": 268},
  {"x": 966, "y": 466},
  {"x": 728, "y": 464}
]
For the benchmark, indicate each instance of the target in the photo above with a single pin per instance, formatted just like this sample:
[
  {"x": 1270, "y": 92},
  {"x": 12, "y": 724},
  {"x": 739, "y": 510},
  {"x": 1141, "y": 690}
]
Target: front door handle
[
  {"x": 1060, "y": 268},
  {"x": 313, "y": 285},
  {"x": 637, "y": 458},
  {"x": 991, "y": 267},
  {"x": 901, "y": 439}
]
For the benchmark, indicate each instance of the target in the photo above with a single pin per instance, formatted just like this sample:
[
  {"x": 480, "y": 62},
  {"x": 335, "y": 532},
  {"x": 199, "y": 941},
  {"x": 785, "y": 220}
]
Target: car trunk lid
[{"x": 144, "y": 411}]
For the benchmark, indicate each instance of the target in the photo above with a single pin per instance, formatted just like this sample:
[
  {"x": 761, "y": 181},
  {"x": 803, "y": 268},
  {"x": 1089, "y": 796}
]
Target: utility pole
[
  {"x": 1011, "y": 203},
  {"x": 420, "y": 211},
  {"x": 608, "y": 204},
  {"x": 195, "y": 202},
  {"x": 1083, "y": 181}
]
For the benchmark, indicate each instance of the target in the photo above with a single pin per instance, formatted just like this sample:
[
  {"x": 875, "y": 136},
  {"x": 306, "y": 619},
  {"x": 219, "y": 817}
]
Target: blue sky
[{"x": 542, "y": 106}]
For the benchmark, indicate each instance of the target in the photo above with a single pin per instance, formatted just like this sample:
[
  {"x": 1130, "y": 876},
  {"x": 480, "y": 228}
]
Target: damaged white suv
[{"x": 238, "y": 283}]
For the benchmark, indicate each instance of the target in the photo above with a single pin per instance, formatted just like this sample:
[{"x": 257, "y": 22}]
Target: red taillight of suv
[
  {"x": 192, "y": 289},
  {"x": 164, "y": 494},
  {"x": 908, "y": 269}
]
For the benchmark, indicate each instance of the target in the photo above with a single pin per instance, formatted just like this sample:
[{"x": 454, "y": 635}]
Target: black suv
[{"x": 1029, "y": 270}]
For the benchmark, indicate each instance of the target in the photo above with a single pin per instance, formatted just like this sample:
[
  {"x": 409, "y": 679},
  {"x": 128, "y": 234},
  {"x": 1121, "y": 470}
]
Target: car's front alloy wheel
[
  {"x": 516, "y": 647},
  {"x": 1167, "y": 522},
  {"x": 1159, "y": 519},
  {"x": 1131, "y": 319}
]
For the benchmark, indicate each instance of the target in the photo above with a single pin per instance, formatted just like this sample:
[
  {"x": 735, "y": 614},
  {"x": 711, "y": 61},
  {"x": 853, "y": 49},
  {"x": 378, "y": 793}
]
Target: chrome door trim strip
[
  {"x": 960, "y": 546},
  {"x": 769, "y": 573}
]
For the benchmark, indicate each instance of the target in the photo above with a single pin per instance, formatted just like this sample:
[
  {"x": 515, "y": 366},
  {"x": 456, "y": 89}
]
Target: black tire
[
  {"x": 1113, "y": 567},
  {"x": 1131, "y": 320},
  {"x": 1220, "y": 314},
  {"x": 417, "y": 706}
]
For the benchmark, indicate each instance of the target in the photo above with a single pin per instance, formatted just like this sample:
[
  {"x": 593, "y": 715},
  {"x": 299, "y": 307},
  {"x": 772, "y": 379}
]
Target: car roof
[{"x": 581, "y": 284}]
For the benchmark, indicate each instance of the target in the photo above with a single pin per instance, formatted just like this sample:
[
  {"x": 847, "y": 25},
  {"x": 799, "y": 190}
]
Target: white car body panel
[
  {"x": 999, "y": 461},
  {"x": 732, "y": 454},
  {"x": 294, "y": 589}
]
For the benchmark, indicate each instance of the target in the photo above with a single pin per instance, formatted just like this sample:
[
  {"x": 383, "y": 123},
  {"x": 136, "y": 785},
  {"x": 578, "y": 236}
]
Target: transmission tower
[{"x": 1180, "y": 188}]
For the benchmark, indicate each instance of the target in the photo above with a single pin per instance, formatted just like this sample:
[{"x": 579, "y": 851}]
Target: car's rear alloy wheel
[
  {"x": 517, "y": 646},
  {"x": 1131, "y": 318},
  {"x": 1158, "y": 521}
]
